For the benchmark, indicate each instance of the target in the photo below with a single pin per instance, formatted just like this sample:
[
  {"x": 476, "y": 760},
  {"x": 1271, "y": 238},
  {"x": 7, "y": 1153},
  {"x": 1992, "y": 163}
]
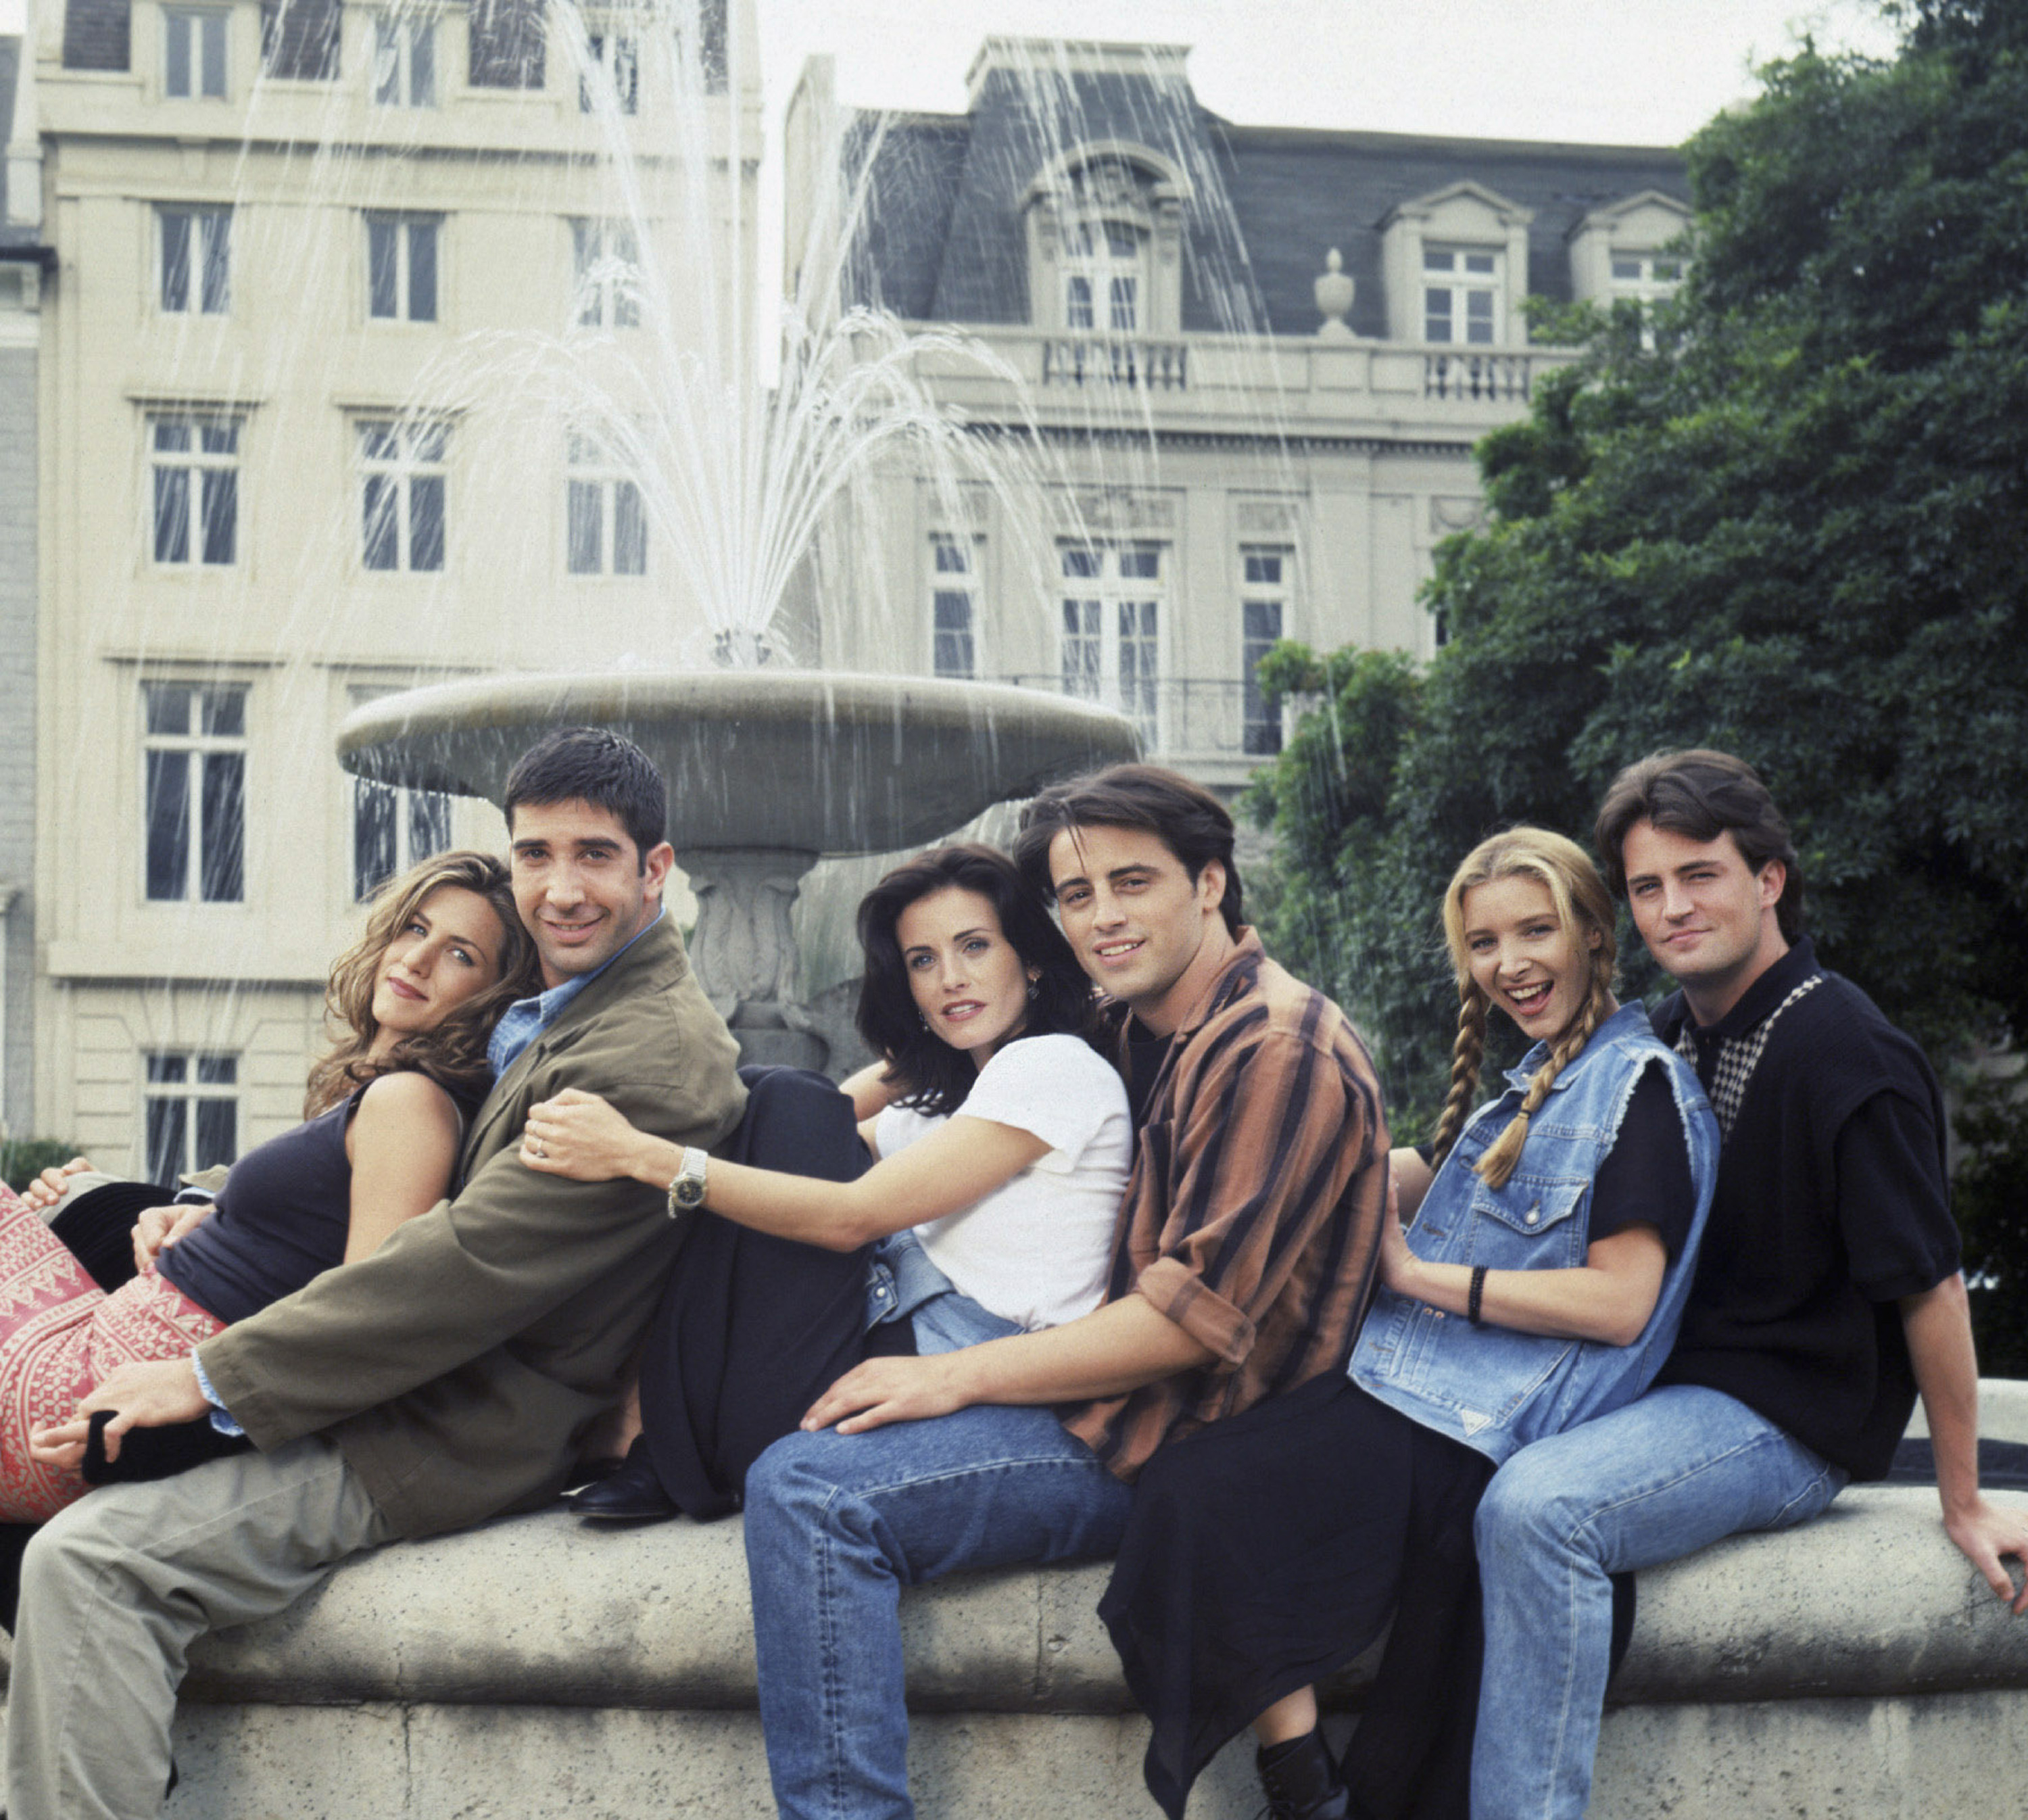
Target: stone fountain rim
[{"x": 846, "y": 699}]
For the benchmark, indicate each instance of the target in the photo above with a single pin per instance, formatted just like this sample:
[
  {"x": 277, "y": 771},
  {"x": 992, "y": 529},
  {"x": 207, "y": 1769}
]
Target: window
[
  {"x": 1102, "y": 277},
  {"x": 194, "y": 791},
  {"x": 193, "y": 1113},
  {"x": 605, "y": 517},
  {"x": 392, "y": 829},
  {"x": 195, "y": 459},
  {"x": 401, "y": 267},
  {"x": 1110, "y": 629},
  {"x": 1460, "y": 296},
  {"x": 197, "y": 259},
  {"x": 192, "y": 53},
  {"x": 953, "y": 626},
  {"x": 606, "y": 260},
  {"x": 402, "y": 493},
  {"x": 508, "y": 38},
  {"x": 1263, "y": 599},
  {"x": 404, "y": 61},
  {"x": 1645, "y": 277},
  {"x": 299, "y": 39},
  {"x": 615, "y": 59}
]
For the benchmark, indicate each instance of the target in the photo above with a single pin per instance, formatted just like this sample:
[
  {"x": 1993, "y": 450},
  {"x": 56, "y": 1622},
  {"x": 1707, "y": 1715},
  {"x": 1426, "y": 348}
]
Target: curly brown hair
[{"x": 453, "y": 1053}]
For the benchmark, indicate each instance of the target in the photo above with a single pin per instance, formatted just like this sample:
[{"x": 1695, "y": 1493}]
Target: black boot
[
  {"x": 632, "y": 1495},
  {"x": 1301, "y": 1780}
]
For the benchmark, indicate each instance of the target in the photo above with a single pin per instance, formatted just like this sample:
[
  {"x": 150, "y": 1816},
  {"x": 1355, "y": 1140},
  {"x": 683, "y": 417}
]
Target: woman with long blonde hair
[
  {"x": 1540, "y": 1284},
  {"x": 411, "y": 1005}
]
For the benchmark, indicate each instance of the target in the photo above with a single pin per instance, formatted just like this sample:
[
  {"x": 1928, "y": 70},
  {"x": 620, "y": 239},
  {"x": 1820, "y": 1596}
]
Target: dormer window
[
  {"x": 1632, "y": 252},
  {"x": 1461, "y": 296},
  {"x": 1102, "y": 279}
]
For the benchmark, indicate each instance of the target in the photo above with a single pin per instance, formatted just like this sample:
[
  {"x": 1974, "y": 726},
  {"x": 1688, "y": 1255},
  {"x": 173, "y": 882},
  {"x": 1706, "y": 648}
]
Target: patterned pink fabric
[{"x": 60, "y": 1333}]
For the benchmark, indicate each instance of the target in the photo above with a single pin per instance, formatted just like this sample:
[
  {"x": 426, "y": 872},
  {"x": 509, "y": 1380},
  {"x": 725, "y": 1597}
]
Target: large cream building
[{"x": 272, "y": 484}]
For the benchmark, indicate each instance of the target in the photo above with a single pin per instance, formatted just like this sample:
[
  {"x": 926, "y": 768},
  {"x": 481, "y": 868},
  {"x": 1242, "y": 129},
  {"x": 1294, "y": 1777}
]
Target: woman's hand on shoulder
[{"x": 586, "y": 1138}]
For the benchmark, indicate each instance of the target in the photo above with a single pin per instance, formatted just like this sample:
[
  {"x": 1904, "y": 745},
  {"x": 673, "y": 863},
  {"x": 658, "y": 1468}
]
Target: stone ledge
[{"x": 1870, "y": 1601}]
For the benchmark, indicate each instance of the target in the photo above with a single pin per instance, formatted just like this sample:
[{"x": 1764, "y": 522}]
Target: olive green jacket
[{"x": 457, "y": 1366}]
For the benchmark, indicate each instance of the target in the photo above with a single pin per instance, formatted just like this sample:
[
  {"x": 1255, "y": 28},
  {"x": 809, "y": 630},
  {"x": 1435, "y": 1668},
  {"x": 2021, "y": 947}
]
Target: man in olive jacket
[{"x": 442, "y": 1380}]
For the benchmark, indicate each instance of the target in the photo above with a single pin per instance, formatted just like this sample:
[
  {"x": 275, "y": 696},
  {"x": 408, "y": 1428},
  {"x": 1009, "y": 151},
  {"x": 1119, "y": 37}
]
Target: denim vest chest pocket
[{"x": 1531, "y": 1222}]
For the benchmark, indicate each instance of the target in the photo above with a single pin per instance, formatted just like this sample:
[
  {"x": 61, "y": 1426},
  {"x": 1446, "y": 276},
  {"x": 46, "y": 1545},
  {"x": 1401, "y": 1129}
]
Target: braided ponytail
[
  {"x": 1467, "y": 1053},
  {"x": 1585, "y": 909}
]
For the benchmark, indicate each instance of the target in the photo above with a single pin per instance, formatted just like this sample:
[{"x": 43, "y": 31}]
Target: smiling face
[
  {"x": 970, "y": 985},
  {"x": 448, "y": 952},
  {"x": 1708, "y": 917},
  {"x": 1523, "y": 957},
  {"x": 580, "y": 885},
  {"x": 1147, "y": 932}
]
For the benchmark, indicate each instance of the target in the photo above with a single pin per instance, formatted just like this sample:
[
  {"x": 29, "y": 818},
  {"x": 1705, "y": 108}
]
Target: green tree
[{"x": 1794, "y": 524}]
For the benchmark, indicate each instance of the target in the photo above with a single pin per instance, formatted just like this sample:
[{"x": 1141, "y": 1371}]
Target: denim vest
[{"x": 1489, "y": 1387}]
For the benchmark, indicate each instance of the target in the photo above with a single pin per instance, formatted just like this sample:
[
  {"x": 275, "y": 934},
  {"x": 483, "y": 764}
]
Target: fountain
[{"x": 768, "y": 772}]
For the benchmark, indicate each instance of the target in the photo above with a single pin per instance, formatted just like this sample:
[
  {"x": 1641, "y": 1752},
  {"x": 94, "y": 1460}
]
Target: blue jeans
[
  {"x": 1677, "y": 1470},
  {"x": 837, "y": 1525}
]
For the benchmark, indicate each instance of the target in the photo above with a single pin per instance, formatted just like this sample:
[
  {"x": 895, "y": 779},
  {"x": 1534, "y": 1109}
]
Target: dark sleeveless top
[{"x": 281, "y": 1219}]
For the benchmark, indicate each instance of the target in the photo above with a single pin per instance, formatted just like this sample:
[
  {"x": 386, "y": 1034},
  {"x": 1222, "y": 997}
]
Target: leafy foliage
[
  {"x": 22, "y": 1159},
  {"x": 1795, "y": 526}
]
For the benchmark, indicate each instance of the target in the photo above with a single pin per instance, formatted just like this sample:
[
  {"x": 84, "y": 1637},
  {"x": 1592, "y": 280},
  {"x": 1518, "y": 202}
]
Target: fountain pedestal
[{"x": 768, "y": 770}]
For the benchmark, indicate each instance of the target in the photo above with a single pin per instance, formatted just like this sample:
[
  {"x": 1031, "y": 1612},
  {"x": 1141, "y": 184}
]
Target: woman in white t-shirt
[{"x": 1001, "y": 1136}]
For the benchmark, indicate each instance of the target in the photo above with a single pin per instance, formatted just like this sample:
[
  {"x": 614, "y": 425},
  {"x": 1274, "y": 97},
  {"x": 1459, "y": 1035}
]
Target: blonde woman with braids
[
  {"x": 413, "y": 1002},
  {"x": 1540, "y": 1284}
]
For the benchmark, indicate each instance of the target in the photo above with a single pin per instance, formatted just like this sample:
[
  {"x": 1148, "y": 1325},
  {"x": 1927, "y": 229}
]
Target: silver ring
[{"x": 540, "y": 1150}]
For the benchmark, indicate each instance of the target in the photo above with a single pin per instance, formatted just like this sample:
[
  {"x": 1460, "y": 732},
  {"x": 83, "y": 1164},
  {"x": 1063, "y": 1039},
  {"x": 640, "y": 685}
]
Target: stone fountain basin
[{"x": 820, "y": 764}]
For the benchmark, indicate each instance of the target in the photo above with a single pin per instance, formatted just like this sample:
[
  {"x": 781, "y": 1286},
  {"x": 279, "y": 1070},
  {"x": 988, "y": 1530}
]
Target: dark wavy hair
[
  {"x": 1701, "y": 794},
  {"x": 936, "y": 1077},
  {"x": 453, "y": 1053}
]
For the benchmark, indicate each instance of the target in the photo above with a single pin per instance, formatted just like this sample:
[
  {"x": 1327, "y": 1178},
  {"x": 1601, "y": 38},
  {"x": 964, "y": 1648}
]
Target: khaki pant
[{"x": 116, "y": 1589}]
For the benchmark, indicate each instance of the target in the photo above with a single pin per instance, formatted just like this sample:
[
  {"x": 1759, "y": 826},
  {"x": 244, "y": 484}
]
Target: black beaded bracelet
[{"x": 1478, "y": 1290}]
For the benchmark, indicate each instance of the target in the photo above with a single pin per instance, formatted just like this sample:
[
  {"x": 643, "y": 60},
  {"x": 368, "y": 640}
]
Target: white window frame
[
  {"x": 392, "y": 240},
  {"x": 1105, "y": 278},
  {"x": 1266, "y": 579},
  {"x": 205, "y": 472},
  {"x": 201, "y": 284},
  {"x": 602, "y": 497},
  {"x": 186, "y": 1096},
  {"x": 1645, "y": 277},
  {"x": 1466, "y": 277},
  {"x": 198, "y": 751},
  {"x": 1109, "y": 627},
  {"x": 204, "y": 36},
  {"x": 956, "y": 559},
  {"x": 396, "y": 75},
  {"x": 401, "y": 462},
  {"x": 606, "y": 273}
]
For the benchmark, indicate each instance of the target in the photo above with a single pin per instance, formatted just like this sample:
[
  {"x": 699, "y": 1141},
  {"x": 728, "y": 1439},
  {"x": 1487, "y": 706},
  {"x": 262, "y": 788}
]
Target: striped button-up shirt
[{"x": 1253, "y": 1216}]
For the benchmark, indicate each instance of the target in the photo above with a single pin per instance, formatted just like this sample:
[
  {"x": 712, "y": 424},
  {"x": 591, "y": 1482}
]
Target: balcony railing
[
  {"x": 1483, "y": 378},
  {"x": 1183, "y": 718},
  {"x": 1109, "y": 361}
]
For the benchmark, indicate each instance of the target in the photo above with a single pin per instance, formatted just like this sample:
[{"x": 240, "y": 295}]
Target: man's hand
[
  {"x": 878, "y": 1391},
  {"x": 580, "y": 1135},
  {"x": 146, "y": 1396},
  {"x": 1985, "y": 1534},
  {"x": 49, "y": 1187},
  {"x": 161, "y": 1226}
]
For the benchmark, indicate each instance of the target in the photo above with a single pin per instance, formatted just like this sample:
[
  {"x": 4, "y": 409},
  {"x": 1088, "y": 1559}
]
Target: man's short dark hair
[
  {"x": 1184, "y": 816},
  {"x": 1700, "y": 794},
  {"x": 594, "y": 765}
]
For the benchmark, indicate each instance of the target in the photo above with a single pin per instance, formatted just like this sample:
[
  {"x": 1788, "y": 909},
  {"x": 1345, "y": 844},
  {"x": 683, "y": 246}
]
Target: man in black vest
[{"x": 1827, "y": 1294}]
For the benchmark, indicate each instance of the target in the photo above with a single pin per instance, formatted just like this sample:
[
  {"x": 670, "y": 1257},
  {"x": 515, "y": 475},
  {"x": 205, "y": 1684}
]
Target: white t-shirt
[{"x": 1035, "y": 1250}]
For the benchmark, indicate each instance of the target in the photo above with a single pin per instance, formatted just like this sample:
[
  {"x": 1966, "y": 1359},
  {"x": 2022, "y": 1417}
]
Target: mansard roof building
[{"x": 1255, "y": 359}]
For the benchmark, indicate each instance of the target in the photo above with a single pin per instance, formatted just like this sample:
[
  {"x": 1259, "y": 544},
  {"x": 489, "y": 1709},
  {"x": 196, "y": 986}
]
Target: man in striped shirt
[{"x": 1242, "y": 1260}]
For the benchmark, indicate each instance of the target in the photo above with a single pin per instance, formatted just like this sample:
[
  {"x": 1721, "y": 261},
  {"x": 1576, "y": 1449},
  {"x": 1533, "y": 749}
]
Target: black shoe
[
  {"x": 1301, "y": 1780},
  {"x": 631, "y": 1495}
]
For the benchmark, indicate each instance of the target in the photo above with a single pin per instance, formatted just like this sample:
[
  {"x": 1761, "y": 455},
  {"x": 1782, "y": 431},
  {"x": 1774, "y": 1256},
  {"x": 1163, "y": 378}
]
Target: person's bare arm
[
  {"x": 1938, "y": 1322},
  {"x": 403, "y": 1143},
  {"x": 1111, "y": 1351},
  {"x": 579, "y": 1135},
  {"x": 871, "y": 1091},
  {"x": 1412, "y": 1177},
  {"x": 1608, "y": 1298}
]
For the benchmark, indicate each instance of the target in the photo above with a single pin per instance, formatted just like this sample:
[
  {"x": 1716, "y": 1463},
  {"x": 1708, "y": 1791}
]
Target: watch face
[{"x": 689, "y": 1190}]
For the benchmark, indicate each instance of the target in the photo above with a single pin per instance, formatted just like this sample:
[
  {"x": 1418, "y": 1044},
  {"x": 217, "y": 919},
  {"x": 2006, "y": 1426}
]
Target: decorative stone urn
[
  {"x": 1334, "y": 292},
  {"x": 769, "y": 772}
]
